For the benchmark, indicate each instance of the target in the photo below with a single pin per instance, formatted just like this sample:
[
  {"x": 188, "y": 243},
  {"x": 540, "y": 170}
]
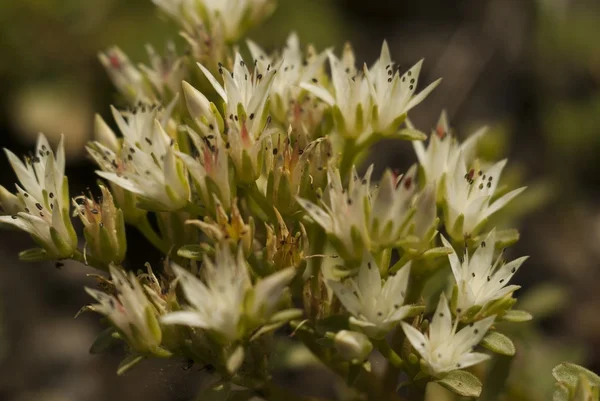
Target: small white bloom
[
  {"x": 165, "y": 73},
  {"x": 244, "y": 94},
  {"x": 210, "y": 169},
  {"x": 227, "y": 18},
  {"x": 146, "y": 164},
  {"x": 375, "y": 308},
  {"x": 369, "y": 217},
  {"x": 444, "y": 349},
  {"x": 217, "y": 303},
  {"x": 350, "y": 99},
  {"x": 41, "y": 206},
  {"x": 352, "y": 346},
  {"x": 130, "y": 311},
  {"x": 392, "y": 208},
  {"x": 296, "y": 68},
  {"x": 126, "y": 77},
  {"x": 480, "y": 279},
  {"x": 393, "y": 95},
  {"x": 343, "y": 213},
  {"x": 467, "y": 196},
  {"x": 443, "y": 150}
]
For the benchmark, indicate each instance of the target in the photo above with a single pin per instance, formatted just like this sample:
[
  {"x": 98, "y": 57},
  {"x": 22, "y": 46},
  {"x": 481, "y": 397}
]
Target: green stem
[
  {"x": 262, "y": 202},
  {"x": 348, "y": 155},
  {"x": 146, "y": 229},
  {"x": 389, "y": 354}
]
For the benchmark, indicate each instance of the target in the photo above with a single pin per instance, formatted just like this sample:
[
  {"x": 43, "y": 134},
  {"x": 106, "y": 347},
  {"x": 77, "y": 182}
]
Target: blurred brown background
[{"x": 529, "y": 69}]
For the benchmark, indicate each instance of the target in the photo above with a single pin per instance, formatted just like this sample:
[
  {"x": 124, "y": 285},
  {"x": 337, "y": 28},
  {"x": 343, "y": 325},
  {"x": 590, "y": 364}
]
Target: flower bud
[
  {"x": 104, "y": 227},
  {"x": 352, "y": 346}
]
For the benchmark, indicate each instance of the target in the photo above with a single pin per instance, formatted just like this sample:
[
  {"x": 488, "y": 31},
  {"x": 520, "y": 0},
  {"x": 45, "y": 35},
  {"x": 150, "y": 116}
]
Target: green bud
[{"x": 352, "y": 346}]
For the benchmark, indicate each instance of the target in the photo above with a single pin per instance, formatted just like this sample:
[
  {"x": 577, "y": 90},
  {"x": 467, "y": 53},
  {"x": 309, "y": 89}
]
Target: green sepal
[
  {"x": 34, "y": 255},
  {"x": 121, "y": 237},
  {"x": 128, "y": 363},
  {"x": 107, "y": 251},
  {"x": 192, "y": 251},
  {"x": 152, "y": 323},
  {"x": 235, "y": 359},
  {"x": 462, "y": 383},
  {"x": 410, "y": 134},
  {"x": 103, "y": 341},
  {"x": 64, "y": 249}
]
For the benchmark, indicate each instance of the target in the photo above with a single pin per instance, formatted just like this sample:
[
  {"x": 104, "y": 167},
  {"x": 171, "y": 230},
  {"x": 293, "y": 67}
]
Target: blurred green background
[{"x": 529, "y": 69}]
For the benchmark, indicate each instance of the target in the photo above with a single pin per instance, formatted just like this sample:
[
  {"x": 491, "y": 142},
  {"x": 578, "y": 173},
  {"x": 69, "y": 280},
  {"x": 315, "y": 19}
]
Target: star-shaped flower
[
  {"x": 146, "y": 164},
  {"x": 376, "y": 308},
  {"x": 41, "y": 205},
  {"x": 444, "y": 349},
  {"x": 226, "y": 296},
  {"x": 130, "y": 311},
  {"x": 481, "y": 280},
  {"x": 443, "y": 150},
  {"x": 468, "y": 195}
]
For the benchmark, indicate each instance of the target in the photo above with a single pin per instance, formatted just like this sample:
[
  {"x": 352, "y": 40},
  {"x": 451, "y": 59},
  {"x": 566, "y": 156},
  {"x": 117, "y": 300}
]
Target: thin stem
[
  {"x": 146, "y": 229},
  {"x": 389, "y": 354},
  {"x": 348, "y": 155}
]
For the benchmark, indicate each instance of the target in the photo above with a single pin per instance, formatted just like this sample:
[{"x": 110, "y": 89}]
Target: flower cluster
[{"x": 244, "y": 175}]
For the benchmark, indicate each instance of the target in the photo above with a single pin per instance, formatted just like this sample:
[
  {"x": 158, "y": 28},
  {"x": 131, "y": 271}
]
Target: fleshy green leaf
[
  {"x": 498, "y": 343},
  {"x": 462, "y": 383},
  {"x": 34, "y": 255},
  {"x": 569, "y": 373},
  {"x": 517, "y": 316}
]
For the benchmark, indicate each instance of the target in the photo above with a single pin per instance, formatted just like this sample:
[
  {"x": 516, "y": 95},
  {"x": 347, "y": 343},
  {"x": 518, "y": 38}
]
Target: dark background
[{"x": 529, "y": 69}]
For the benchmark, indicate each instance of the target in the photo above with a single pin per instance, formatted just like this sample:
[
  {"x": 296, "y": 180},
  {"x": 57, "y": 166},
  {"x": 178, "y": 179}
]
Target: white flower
[
  {"x": 393, "y": 95},
  {"x": 392, "y": 208},
  {"x": 165, "y": 73},
  {"x": 296, "y": 68},
  {"x": 443, "y": 150},
  {"x": 480, "y": 279},
  {"x": 372, "y": 217},
  {"x": 130, "y": 311},
  {"x": 467, "y": 196},
  {"x": 350, "y": 99},
  {"x": 229, "y": 18},
  {"x": 245, "y": 95},
  {"x": 41, "y": 206},
  {"x": 226, "y": 297},
  {"x": 128, "y": 80},
  {"x": 343, "y": 213},
  {"x": 443, "y": 349},
  {"x": 375, "y": 308},
  {"x": 146, "y": 163}
]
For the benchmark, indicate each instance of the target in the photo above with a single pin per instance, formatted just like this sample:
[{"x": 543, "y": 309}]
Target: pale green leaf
[
  {"x": 462, "y": 383},
  {"x": 498, "y": 343}
]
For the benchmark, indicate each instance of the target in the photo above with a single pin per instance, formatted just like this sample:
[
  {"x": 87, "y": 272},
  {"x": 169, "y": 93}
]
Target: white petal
[
  {"x": 500, "y": 203},
  {"x": 185, "y": 318},
  {"x": 441, "y": 323},
  {"x": 470, "y": 359},
  {"x": 416, "y": 338},
  {"x": 421, "y": 95},
  {"x": 214, "y": 83},
  {"x": 319, "y": 92}
]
